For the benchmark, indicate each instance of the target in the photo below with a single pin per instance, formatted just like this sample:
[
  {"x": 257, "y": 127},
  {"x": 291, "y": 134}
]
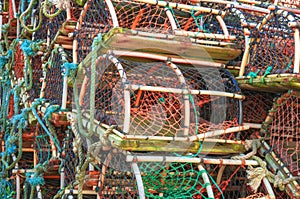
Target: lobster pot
[
  {"x": 256, "y": 105},
  {"x": 55, "y": 88},
  {"x": 33, "y": 71},
  {"x": 274, "y": 46},
  {"x": 158, "y": 98},
  {"x": 281, "y": 131},
  {"x": 95, "y": 18}
]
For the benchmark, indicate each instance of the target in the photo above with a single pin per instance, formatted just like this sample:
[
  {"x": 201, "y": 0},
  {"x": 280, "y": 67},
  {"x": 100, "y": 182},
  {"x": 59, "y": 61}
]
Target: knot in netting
[
  {"x": 70, "y": 68},
  {"x": 50, "y": 110},
  {"x": 30, "y": 48},
  {"x": 35, "y": 180},
  {"x": 21, "y": 119},
  {"x": 4, "y": 58}
]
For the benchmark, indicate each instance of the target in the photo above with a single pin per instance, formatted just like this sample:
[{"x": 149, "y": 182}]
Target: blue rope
[
  {"x": 21, "y": 118},
  {"x": 4, "y": 59},
  {"x": 34, "y": 106},
  {"x": 69, "y": 68},
  {"x": 51, "y": 109},
  {"x": 35, "y": 180}
]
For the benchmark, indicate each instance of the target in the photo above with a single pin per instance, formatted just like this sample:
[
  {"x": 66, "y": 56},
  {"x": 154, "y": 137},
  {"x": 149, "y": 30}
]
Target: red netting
[
  {"x": 19, "y": 63},
  {"x": 257, "y": 105},
  {"x": 138, "y": 16},
  {"x": 231, "y": 180},
  {"x": 281, "y": 130},
  {"x": 161, "y": 111}
]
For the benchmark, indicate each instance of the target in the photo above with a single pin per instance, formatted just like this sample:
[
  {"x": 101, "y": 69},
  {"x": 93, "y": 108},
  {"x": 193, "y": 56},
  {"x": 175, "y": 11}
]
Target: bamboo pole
[
  {"x": 164, "y": 58},
  {"x": 269, "y": 188},
  {"x": 223, "y": 25},
  {"x": 184, "y": 159},
  {"x": 171, "y": 19},
  {"x": 112, "y": 13},
  {"x": 65, "y": 79},
  {"x": 139, "y": 180},
  {"x": 185, "y": 97},
  {"x": 203, "y": 35},
  {"x": 206, "y": 180},
  {"x": 182, "y": 91},
  {"x": 253, "y": 125},
  {"x": 181, "y": 6},
  {"x": 297, "y": 51}
]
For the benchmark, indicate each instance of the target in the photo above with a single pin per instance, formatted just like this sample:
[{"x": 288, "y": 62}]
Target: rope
[
  {"x": 26, "y": 12},
  {"x": 70, "y": 69},
  {"x": 4, "y": 59},
  {"x": 45, "y": 6},
  {"x": 254, "y": 144},
  {"x": 52, "y": 137},
  {"x": 267, "y": 72},
  {"x": 252, "y": 75}
]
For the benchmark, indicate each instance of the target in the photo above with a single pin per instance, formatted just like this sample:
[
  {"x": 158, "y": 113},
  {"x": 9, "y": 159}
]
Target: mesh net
[
  {"x": 37, "y": 74},
  {"x": 54, "y": 78},
  {"x": 19, "y": 63},
  {"x": 96, "y": 19},
  {"x": 55, "y": 24},
  {"x": 272, "y": 48},
  {"x": 160, "y": 111},
  {"x": 169, "y": 180},
  {"x": 281, "y": 131},
  {"x": 232, "y": 181},
  {"x": 143, "y": 17},
  {"x": 256, "y": 106},
  {"x": 234, "y": 20}
]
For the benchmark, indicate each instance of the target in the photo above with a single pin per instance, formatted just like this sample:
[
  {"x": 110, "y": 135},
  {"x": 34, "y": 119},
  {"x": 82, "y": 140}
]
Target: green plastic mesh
[{"x": 173, "y": 180}]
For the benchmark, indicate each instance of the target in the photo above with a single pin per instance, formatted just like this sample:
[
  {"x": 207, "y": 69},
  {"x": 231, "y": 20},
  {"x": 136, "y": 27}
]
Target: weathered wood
[{"x": 278, "y": 83}]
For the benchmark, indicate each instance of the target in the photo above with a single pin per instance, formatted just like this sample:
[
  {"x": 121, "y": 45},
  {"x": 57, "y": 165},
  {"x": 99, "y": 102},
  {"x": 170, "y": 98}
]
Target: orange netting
[
  {"x": 281, "y": 130},
  {"x": 162, "y": 110},
  {"x": 19, "y": 63},
  {"x": 137, "y": 16}
]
